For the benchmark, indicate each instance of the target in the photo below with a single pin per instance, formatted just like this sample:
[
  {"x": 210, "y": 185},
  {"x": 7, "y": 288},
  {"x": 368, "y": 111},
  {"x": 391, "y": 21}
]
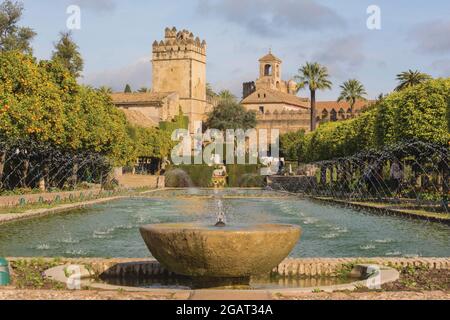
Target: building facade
[
  {"x": 178, "y": 80},
  {"x": 179, "y": 65},
  {"x": 275, "y": 100},
  {"x": 148, "y": 109},
  {"x": 277, "y": 105}
]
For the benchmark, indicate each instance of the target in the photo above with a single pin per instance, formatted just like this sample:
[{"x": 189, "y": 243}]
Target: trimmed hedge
[
  {"x": 420, "y": 113},
  {"x": 201, "y": 176}
]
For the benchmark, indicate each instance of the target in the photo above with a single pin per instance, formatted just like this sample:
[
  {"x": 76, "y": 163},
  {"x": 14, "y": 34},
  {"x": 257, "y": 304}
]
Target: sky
[{"x": 116, "y": 36}]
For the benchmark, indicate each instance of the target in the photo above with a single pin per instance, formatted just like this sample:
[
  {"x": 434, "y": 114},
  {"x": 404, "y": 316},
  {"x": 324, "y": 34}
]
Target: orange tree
[{"x": 42, "y": 103}]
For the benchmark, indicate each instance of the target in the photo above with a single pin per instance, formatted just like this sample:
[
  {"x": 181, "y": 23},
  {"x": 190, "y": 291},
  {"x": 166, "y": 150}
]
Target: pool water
[
  {"x": 112, "y": 229},
  {"x": 254, "y": 283}
]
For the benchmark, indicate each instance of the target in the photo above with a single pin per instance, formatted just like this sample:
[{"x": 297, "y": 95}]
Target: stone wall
[
  {"x": 292, "y": 183},
  {"x": 285, "y": 121},
  {"x": 179, "y": 65},
  {"x": 141, "y": 181},
  {"x": 305, "y": 267}
]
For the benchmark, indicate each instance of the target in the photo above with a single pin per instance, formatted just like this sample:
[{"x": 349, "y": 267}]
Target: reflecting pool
[{"x": 112, "y": 229}]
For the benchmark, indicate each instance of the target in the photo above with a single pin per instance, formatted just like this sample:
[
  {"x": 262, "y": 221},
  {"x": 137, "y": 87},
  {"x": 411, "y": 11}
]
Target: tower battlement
[
  {"x": 179, "y": 45},
  {"x": 179, "y": 65}
]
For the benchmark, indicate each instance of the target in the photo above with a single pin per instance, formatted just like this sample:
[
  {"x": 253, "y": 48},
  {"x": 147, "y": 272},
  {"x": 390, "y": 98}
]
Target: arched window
[
  {"x": 268, "y": 70},
  {"x": 324, "y": 114},
  {"x": 341, "y": 114},
  {"x": 333, "y": 115},
  {"x": 278, "y": 84}
]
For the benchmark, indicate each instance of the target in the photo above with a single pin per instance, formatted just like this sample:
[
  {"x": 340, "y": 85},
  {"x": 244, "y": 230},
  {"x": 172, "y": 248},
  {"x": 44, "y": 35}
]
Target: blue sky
[{"x": 116, "y": 37}]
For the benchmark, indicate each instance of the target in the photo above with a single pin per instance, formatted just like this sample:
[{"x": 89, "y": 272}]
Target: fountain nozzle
[
  {"x": 220, "y": 224},
  {"x": 220, "y": 216}
]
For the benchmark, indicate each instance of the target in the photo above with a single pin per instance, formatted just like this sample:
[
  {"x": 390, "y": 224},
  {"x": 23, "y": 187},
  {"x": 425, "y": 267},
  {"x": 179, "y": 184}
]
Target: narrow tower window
[{"x": 267, "y": 70}]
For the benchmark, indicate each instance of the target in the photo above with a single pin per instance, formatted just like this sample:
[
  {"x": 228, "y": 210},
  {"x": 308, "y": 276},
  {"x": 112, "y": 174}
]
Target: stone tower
[
  {"x": 179, "y": 65},
  {"x": 269, "y": 71},
  {"x": 270, "y": 76}
]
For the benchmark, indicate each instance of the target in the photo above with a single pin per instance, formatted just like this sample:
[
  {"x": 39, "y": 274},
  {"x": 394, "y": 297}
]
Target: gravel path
[{"x": 12, "y": 294}]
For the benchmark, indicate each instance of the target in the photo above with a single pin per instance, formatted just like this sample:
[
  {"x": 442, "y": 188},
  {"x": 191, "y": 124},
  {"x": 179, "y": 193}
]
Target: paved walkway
[
  {"x": 10, "y": 217},
  {"x": 15, "y": 200},
  {"x": 11, "y": 294},
  {"x": 141, "y": 181}
]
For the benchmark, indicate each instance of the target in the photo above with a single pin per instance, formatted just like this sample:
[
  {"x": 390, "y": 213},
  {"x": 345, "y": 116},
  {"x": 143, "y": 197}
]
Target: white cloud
[
  {"x": 99, "y": 6},
  {"x": 343, "y": 56},
  {"x": 137, "y": 75},
  {"x": 432, "y": 36},
  {"x": 270, "y": 18}
]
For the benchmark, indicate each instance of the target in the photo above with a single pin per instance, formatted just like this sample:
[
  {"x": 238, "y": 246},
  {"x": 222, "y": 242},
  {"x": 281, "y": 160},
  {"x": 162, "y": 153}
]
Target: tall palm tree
[
  {"x": 143, "y": 90},
  {"x": 411, "y": 78},
  {"x": 209, "y": 91},
  {"x": 226, "y": 95},
  {"x": 315, "y": 76},
  {"x": 352, "y": 91},
  {"x": 105, "y": 90}
]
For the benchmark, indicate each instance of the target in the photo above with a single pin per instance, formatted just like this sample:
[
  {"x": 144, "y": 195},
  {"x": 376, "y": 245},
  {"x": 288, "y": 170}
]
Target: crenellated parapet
[
  {"x": 284, "y": 115},
  {"x": 284, "y": 121},
  {"x": 179, "y": 45}
]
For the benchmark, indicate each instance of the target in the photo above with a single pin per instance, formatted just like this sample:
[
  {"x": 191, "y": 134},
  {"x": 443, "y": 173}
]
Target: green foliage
[
  {"x": 227, "y": 96},
  {"x": 43, "y": 102},
  {"x": 244, "y": 176},
  {"x": 411, "y": 78},
  {"x": 209, "y": 91},
  {"x": 143, "y": 90},
  {"x": 179, "y": 122},
  {"x": 13, "y": 37},
  {"x": 67, "y": 53},
  {"x": 181, "y": 175},
  {"x": 230, "y": 115},
  {"x": 352, "y": 91},
  {"x": 201, "y": 176},
  {"x": 28, "y": 274},
  {"x": 292, "y": 144},
  {"x": 31, "y": 105},
  {"x": 448, "y": 115},
  {"x": 316, "y": 77},
  {"x": 150, "y": 142},
  {"x": 415, "y": 113}
]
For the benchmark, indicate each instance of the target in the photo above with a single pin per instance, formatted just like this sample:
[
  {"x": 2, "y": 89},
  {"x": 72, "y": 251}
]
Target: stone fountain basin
[{"x": 240, "y": 251}]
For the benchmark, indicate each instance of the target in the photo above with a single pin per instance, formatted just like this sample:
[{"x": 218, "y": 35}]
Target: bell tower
[{"x": 269, "y": 72}]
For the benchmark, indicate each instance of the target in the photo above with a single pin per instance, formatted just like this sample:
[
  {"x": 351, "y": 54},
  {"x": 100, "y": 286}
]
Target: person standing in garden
[{"x": 396, "y": 175}]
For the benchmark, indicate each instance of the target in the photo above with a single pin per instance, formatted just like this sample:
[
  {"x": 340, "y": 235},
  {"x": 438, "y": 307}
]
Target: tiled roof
[
  {"x": 269, "y": 57},
  {"x": 137, "y": 118},
  {"x": 139, "y": 98},
  {"x": 263, "y": 96}
]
